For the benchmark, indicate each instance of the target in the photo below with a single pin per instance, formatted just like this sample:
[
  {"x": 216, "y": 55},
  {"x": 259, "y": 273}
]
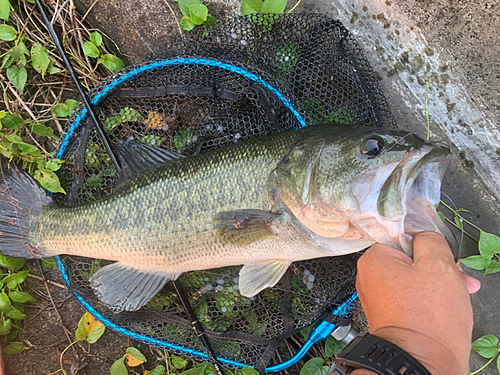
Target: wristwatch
[{"x": 373, "y": 353}]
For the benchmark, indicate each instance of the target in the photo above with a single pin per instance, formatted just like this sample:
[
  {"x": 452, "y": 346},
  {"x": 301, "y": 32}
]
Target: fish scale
[{"x": 151, "y": 215}]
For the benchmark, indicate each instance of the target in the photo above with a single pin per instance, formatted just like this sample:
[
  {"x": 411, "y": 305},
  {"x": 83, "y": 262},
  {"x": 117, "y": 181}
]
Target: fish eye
[{"x": 373, "y": 146}]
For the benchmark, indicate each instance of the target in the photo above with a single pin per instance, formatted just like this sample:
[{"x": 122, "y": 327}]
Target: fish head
[{"x": 365, "y": 183}]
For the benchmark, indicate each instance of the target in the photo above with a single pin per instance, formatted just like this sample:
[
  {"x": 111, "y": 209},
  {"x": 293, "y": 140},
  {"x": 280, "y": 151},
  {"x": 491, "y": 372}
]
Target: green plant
[
  {"x": 488, "y": 347},
  {"x": 134, "y": 358},
  {"x": 488, "y": 245},
  {"x": 31, "y": 158},
  {"x": 259, "y": 6},
  {"x": 318, "y": 115},
  {"x": 12, "y": 301},
  {"x": 19, "y": 56},
  {"x": 195, "y": 13},
  {"x": 89, "y": 329},
  {"x": 182, "y": 138},
  {"x": 91, "y": 49}
]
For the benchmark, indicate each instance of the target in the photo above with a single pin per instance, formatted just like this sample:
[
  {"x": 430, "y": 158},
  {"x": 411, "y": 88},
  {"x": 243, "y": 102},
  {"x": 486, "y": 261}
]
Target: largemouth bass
[{"x": 319, "y": 191}]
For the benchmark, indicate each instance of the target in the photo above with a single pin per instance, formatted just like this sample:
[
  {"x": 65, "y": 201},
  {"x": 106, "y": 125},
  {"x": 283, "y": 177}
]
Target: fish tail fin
[{"x": 21, "y": 201}]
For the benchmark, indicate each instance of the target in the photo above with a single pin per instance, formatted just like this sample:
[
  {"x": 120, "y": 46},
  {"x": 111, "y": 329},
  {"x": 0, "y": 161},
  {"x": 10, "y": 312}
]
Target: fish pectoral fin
[
  {"x": 243, "y": 227},
  {"x": 121, "y": 288},
  {"x": 254, "y": 277}
]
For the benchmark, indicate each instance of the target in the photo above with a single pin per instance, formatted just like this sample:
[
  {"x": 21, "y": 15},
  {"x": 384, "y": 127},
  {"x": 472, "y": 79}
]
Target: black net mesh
[{"x": 220, "y": 84}]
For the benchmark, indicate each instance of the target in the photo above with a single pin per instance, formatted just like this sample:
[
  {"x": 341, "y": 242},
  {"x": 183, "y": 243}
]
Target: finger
[
  {"x": 431, "y": 247},
  {"x": 379, "y": 253},
  {"x": 472, "y": 284}
]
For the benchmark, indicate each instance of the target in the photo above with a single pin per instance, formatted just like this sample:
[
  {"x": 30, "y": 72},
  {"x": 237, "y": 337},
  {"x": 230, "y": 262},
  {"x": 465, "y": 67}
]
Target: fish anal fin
[
  {"x": 122, "y": 288},
  {"x": 254, "y": 277},
  {"x": 243, "y": 227}
]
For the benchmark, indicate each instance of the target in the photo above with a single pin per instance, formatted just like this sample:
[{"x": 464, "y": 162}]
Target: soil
[{"x": 48, "y": 321}]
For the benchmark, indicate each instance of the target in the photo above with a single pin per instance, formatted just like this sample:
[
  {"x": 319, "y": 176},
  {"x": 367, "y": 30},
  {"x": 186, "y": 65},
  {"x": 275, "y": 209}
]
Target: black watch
[{"x": 378, "y": 355}]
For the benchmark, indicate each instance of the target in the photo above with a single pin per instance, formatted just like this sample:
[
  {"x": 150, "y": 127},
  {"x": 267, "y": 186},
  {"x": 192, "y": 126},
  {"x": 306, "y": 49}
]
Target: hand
[{"x": 421, "y": 305}]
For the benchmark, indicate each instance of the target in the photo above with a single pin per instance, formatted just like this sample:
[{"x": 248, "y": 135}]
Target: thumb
[{"x": 429, "y": 247}]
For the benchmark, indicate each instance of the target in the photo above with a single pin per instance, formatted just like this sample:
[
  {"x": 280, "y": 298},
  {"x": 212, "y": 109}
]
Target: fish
[{"x": 323, "y": 190}]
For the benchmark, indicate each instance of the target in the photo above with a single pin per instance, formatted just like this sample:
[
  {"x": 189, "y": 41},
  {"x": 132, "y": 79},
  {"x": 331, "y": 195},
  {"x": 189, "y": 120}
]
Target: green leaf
[
  {"x": 7, "y": 61},
  {"x": 11, "y": 121},
  {"x": 158, "y": 370},
  {"x": 27, "y": 148},
  {"x": 493, "y": 267},
  {"x": 54, "y": 165},
  {"x": 251, "y": 6},
  {"x": 314, "y": 367},
  {"x": 49, "y": 263},
  {"x": 64, "y": 109},
  {"x": 42, "y": 130},
  {"x": 96, "y": 38},
  {"x": 488, "y": 244},
  {"x": 20, "y": 297},
  {"x": 186, "y": 23},
  {"x": 458, "y": 222},
  {"x": 23, "y": 48},
  {"x": 441, "y": 215},
  {"x": 17, "y": 75},
  {"x": 96, "y": 331},
  {"x": 198, "y": 13},
  {"x": 333, "y": 346},
  {"x": 15, "y": 347},
  {"x": 5, "y": 325},
  {"x": 17, "y": 53},
  {"x": 210, "y": 19},
  {"x": 48, "y": 180},
  {"x": 249, "y": 371},
  {"x": 14, "y": 263},
  {"x": 12, "y": 138},
  {"x": 184, "y": 6},
  {"x": 135, "y": 357},
  {"x": 305, "y": 331},
  {"x": 15, "y": 279},
  {"x": 4, "y": 301},
  {"x": 4, "y": 10},
  {"x": 178, "y": 362},
  {"x": 40, "y": 58},
  {"x": 498, "y": 363},
  {"x": 15, "y": 314},
  {"x": 476, "y": 262},
  {"x": 90, "y": 49},
  {"x": 7, "y": 32},
  {"x": 273, "y": 6},
  {"x": 486, "y": 346},
  {"x": 81, "y": 331},
  {"x": 112, "y": 62},
  {"x": 118, "y": 368},
  {"x": 52, "y": 69},
  {"x": 199, "y": 369}
]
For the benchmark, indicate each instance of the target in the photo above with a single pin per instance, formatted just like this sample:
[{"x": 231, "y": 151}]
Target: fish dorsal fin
[
  {"x": 121, "y": 288},
  {"x": 137, "y": 157},
  {"x": 243, "y": 227},
  {"x": 254, "y": 277}
]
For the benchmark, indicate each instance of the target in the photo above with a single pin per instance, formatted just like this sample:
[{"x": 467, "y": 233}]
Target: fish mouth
[{"x": 410, "y": 194}]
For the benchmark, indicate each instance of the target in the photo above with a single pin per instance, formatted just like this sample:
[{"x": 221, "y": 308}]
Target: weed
[{"x": 195, "y": 13}]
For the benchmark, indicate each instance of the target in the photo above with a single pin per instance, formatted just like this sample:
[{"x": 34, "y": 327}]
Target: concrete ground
[{"x": 453, "y": 43}]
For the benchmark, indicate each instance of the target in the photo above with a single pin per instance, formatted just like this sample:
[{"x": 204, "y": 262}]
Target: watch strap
[{"x": 378, "y": 355}]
